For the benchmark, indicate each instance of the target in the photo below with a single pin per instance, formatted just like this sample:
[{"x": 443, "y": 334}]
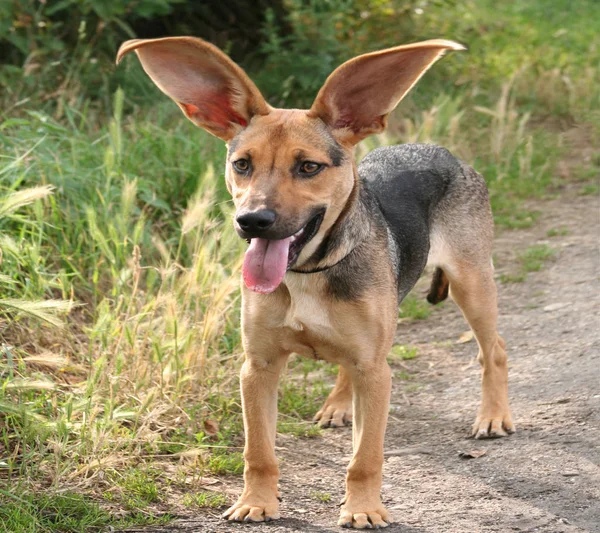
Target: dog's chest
[{"x": 308, "y": 311}]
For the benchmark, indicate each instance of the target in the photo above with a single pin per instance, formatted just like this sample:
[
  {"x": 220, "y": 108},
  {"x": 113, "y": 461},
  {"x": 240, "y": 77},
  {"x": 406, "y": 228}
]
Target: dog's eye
[
  {"x": 310, "y": 168},
  {"x": 241, "y": 165}
]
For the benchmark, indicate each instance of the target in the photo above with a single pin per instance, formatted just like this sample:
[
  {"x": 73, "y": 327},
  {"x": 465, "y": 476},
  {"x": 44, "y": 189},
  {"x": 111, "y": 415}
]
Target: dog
[{"x": 335, "y": 247}]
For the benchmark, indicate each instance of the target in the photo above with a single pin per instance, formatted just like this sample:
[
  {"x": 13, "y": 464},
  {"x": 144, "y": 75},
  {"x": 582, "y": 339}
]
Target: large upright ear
[
  {"x": 210, "y": 88},
  {"x": 359, "y": 95}
]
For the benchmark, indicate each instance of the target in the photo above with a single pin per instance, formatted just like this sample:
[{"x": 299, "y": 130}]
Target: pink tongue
[{"x": 265, "y": 264}]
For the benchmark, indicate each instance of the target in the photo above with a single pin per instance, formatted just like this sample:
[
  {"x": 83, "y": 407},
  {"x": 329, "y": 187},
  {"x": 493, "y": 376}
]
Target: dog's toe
[
  {"x": 369, "y": 520},
  {"x": 492, "y": 427},
  {"x": 251, "y": 513},
  {"x": 334, "y": 416}
]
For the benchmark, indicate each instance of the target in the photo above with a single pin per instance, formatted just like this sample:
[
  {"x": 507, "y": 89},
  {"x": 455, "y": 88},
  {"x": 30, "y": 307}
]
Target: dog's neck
[{"x": 350, "y": 229}]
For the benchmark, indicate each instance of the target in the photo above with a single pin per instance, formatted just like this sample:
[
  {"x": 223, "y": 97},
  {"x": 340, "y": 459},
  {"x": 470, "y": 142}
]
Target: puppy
[{"x": 334, "y": 248}]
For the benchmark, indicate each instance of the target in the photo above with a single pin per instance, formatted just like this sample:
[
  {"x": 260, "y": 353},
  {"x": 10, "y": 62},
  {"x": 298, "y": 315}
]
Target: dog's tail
[{"x": 438, "y": 291}]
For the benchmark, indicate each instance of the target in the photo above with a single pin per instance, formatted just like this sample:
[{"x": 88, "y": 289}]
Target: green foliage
[
  {"x": 68, "y": 513},
  {"x": 403, "y": 353},
  {"x": 530, "y": 260},
  {"x": 139, "y": 486},
  {"x": 415, "y": 308},
  {"x": 205, "y": 499},
  {"x": 535, "y": 256},
  {"x": 322, "y": 497},
  {"x": 225, "y": 463},
  {"x": 292, "y": 73},
  {"x": 556, "y": 232},
  {"x": 299, "y": 429}
]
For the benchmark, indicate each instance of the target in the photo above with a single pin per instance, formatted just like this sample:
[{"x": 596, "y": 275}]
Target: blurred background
[{"x": 119, "y": 268}]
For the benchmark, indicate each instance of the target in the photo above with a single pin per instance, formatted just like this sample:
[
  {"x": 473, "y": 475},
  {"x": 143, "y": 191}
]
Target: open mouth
[
  {"x": 302, "y": 237},
  {"x": 267, "y": 260}
]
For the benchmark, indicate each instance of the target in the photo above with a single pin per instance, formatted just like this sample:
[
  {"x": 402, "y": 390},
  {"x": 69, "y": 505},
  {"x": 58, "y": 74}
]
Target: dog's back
[{"x": 429, "y": 199}]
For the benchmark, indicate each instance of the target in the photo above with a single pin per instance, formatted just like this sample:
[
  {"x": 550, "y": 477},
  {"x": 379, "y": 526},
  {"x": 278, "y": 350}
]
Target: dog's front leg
[
  {"x": 362, "y": 507},
  {"x": 259, "y": 501}
]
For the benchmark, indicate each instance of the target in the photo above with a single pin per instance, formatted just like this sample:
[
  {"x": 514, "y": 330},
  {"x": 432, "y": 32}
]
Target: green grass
[
  {"x": 205, "y": 499},
  {"x": 513, "y": 278},
  {"x": 64, "y": 513},
  {"x": 299, "y": 429},
  {"x": 414, "y": 307},
  {"x": 402, "y": 353},
  {"x": 119, "y": 299},
  {"x": 531, "y": 259},
  {"x": 590, "y": 189},
  {"x": 139, "y": 487},
  {"x": 225, "y": 463},
  {"x": 323, "y": 497},
  {"x": 557, "y": 232},
  {"x": 534, "y": 257}
]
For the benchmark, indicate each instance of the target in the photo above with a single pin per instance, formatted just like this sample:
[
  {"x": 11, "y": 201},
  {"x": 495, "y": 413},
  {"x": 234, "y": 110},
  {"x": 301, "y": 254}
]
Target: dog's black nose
[{"x": 257, "y": 221}]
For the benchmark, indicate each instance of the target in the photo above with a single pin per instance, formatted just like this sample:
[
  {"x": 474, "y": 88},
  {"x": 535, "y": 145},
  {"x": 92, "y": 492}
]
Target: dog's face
[
  {"x": 289, "y": 178},
  {"x": 291, "y": 172}
]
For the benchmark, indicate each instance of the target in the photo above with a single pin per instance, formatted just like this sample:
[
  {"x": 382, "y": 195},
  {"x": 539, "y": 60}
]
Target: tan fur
[{"x": 301, "y": 316}]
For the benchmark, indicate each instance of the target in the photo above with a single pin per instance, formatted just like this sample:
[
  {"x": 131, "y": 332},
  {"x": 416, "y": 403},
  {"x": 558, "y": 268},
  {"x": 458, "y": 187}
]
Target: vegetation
[
  {"x": 530, "y": 260},
  {"x": 119, "y": 268}
]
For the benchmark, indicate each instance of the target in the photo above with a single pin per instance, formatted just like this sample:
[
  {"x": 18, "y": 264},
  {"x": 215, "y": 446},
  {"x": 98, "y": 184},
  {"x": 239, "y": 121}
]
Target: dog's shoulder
[
  {"x": 408, "y": 182},
  {"x": 409, "y": 164}
]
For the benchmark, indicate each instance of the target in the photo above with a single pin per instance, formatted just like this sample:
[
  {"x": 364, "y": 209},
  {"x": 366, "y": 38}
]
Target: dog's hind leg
[
  {"x": 461, "y": 246},
  {"x": 474, "y": 290},
  {"x": 337, "y": 409}
]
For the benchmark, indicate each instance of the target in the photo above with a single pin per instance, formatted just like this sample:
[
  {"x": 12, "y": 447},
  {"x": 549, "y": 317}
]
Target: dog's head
[{"x": 291, "y": 172}]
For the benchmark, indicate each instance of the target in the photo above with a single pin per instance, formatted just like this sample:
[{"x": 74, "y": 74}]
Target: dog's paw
[
  {"x": 334, "y": 413},
  {"x": 489, "y": 425},
  {"x": 358, "y": 517},
  {"x": 250, "y": 510}
]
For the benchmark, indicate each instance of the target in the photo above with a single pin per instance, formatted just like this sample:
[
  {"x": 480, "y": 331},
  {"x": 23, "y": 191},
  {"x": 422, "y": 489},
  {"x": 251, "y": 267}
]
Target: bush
[{"x": 58, "y": 51}]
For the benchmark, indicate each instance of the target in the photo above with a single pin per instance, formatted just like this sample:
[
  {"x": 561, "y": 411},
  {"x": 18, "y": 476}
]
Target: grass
[
  {"x": 323, "y": 497},
  {"x": 590, "y": 189},
  {"x": 119, "y": 306},
  {"x": 557, "y": 232},
  {"x": 139, "y": 487},
  {"x": 205, "y": 499},
  {"x": 534, "y": 257},
  {"x": 68, "y": 513},
  {"x": 531, "y": 259},
  {"x": 415, "y": 307},
  {"x": 403, "y": 353}
]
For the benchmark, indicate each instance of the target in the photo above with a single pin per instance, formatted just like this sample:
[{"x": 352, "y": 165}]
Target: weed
[
  {"x": 205, "y": 499},
  {"x": 590, "y": 189},
  {"x": 74, "y": 513},
  {"x": 533, "y": 258},
  {"x": 319, "y": 496},
  {"x": 301, "y": 400},
  {"x": 513, "y": 278},
  {"x": 557, "y": 232},
  {"x": 219, "y": 463},
  {"x": 530, "y": 260},
  {"x": 139, "y": 487},
  {"x": 415, "y": 308},
  {"x": 298, "y": 429},
  {"x": 403, "y": 353}
]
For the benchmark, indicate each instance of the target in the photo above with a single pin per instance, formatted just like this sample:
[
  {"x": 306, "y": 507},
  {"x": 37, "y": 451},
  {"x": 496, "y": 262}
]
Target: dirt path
[{"x": 546, "y": 477}]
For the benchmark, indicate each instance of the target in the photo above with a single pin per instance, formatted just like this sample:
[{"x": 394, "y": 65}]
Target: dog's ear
[
  {"x": 208, "y": 86},
  {"x": 359, "y": 95}
]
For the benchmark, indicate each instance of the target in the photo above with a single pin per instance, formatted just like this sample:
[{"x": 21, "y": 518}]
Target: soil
[{"x": 545, "y": 478}]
